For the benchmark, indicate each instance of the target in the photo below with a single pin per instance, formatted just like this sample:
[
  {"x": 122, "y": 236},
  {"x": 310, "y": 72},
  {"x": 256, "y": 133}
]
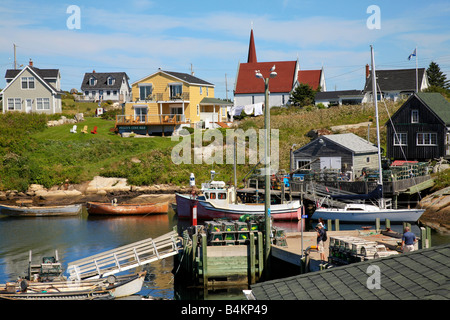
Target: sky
[{"x": 212, "y": 38}]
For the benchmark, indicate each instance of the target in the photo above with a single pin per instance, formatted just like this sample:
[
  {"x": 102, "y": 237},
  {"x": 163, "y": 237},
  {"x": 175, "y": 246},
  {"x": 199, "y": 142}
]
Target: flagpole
[{"x": 417, "y": 74}]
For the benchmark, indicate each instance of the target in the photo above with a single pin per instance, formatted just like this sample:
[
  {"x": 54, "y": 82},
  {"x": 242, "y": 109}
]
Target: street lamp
[{"x": 259, "y": 75}]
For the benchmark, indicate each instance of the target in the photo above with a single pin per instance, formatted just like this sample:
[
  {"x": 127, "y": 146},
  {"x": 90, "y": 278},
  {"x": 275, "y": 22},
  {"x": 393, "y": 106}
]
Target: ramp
[{"x": 125, "y": 258}]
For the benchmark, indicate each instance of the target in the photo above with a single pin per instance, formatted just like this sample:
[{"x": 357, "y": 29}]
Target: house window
[
  {"x": 400, "y": 139},
  {"x": 92, "y": 81},
  {"x": 86, "y": 93},
  {"x": 176, "y": 90},
  {"x": 145, "y": 92},
  {"x": 108, "y": 93},
  {"x": 207, "y": 92},
  {"x": 426, "y": 139},
  {"x": 43, "y": 103},
  {"x": 110, "y": 81},
  {"x": 14, "y": 104},
  {"x": 201, "y": 90},
  {"x": 414, "y": 116},
  {"x": 115, "y": 93},
  {"x": 27, "y": 82},
  {"x": 304, "y": 164},
  {"x": 140, "y": 112},
  {"x": 198, "y": 110}
]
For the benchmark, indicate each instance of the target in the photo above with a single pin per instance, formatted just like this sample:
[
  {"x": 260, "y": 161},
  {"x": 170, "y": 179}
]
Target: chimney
[
  {"x": 367, "y": 71},
  {"x": 31, "y": 63},
  {"x": 93, "y": 71}
]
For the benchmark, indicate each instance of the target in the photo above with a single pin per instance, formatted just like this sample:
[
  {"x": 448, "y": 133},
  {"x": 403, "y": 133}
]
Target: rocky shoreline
[
  {"x": 437, "y": 205},
  {"x": 99, "y": 189}
]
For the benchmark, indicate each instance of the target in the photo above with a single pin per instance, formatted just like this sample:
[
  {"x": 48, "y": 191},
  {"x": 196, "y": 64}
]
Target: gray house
[
  {"x": 346, "y": 152},
  {"x": 32, "y": 90},
  {"x": 112, "y": 86}
]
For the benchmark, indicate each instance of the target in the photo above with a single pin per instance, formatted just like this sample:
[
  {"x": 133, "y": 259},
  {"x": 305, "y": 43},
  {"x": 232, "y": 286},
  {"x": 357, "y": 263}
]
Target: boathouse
[{"x": 347, "y": 153}]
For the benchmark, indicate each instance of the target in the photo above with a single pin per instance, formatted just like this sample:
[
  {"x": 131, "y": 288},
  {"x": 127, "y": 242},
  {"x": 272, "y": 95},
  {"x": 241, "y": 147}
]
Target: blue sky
[{"x": 139, "y": 36}]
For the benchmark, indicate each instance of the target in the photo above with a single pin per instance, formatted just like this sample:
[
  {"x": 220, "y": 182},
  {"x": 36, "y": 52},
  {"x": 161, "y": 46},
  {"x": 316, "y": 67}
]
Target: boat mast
[{"x": 374, "y": 94}]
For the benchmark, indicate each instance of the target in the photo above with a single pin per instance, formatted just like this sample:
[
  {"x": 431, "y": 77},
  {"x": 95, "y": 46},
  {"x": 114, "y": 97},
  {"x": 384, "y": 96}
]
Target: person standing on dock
[
  {"x": 320, "y": 247},
  {"x": 408, "y": 240}
]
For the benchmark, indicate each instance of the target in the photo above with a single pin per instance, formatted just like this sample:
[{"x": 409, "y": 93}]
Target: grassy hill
[{"x": 31, "y": 152}]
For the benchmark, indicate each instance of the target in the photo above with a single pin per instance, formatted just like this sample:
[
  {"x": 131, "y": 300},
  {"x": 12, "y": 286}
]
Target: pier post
[
  {"x": 252, "y": 258},
  {"x": 377, "y": 224},
  {"x": 330, "y": 225},
  {"x": 387, "y": 224},
  {"x": 204, "y": 260},
  {"x": 336, "y": 225}
]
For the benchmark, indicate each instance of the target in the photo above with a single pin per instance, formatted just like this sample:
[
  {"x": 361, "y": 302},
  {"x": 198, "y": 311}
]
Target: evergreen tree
[
  {"x": 302, "y": 95},
  {"x": 436, "y": 77}
]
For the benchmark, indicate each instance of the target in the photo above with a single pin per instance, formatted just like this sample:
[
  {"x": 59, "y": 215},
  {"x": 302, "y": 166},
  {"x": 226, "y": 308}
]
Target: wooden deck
[{"x": 151, "y": 120}]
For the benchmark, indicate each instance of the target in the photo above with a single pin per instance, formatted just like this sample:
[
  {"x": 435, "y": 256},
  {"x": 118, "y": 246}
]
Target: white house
[
  {"x": 112, "y": 86},
  {"x": 32, "y": 90}
]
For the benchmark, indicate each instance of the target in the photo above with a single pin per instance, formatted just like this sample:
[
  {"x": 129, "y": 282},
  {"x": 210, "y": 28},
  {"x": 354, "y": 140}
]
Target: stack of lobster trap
[
  {"x": 348, "y": 249},
  {"x": 228, "y": 232}
]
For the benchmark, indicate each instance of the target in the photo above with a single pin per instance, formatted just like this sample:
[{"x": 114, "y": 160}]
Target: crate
[
  {"x": 240, "y": 227},
  {"x": 229, "y": 229}
]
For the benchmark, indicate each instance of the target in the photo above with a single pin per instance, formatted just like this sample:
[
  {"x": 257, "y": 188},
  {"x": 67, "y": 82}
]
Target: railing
[{"x": 150, "y": 119}]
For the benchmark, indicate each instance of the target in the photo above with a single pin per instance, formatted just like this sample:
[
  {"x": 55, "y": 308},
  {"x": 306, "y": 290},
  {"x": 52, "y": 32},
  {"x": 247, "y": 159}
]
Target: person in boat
[
  {"x": 320, "y": 246},
  {"x": 408, "y": 240}
]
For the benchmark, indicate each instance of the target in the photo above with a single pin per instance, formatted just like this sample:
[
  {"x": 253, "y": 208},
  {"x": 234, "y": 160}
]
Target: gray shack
[{"x": 345, "y": 152}]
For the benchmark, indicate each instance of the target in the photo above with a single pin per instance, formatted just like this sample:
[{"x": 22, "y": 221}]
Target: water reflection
[{"x": 77, "y": 237}]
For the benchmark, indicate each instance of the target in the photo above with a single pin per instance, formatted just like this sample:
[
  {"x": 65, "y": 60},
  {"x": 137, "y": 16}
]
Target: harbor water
[{"x": 81, "y": 236}]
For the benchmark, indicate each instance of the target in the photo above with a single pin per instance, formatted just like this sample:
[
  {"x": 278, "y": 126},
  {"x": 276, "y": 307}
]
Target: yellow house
[{"x": 165, "y": 101}]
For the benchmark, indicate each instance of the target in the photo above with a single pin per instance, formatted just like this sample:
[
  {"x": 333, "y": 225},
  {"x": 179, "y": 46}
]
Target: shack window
[
  {"x": 213, "y": 195},
  {"x": 222, "y": 195}
]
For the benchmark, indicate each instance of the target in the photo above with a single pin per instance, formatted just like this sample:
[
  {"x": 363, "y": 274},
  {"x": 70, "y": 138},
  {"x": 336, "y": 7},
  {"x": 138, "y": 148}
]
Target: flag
[{"x": 412, "y": 54}]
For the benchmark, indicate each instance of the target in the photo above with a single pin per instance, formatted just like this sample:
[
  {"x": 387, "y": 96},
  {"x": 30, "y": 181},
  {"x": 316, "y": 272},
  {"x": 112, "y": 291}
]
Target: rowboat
[
  {"x": 110, "y": 287},
  {"x": 98, "y": 208},
  {"x": 40, "y": 211}
]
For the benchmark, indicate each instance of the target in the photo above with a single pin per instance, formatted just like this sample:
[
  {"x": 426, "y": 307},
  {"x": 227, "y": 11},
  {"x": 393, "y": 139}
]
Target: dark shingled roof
[
  {"x": 418, "y": 275},
  {"x": 392, "y": 80},
  {"x": 188, "y": 78},
  {"x": 102, "y": 80},
  {"x": 42, "y": 73},
  {"x": 337, "y": 94}
]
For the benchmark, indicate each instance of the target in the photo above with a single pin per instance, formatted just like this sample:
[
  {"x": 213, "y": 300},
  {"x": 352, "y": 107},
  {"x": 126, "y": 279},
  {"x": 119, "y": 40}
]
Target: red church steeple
[{"x": 251, "y": 49}]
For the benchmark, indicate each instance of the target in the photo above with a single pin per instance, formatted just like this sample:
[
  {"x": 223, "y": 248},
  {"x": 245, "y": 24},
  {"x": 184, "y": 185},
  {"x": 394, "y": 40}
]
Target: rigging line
[{"x": 396, "y": 135}]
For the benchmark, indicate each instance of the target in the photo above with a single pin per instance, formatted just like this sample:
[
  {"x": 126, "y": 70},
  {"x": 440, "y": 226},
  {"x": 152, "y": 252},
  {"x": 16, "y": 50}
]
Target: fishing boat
[
  {"x": 40, "y": 211},
  {"x": 110, "y": 287},
  {"x": 113, "y": 208},
  {"x": 357, "y": 212},
  {"x": 218, "y": 201}
]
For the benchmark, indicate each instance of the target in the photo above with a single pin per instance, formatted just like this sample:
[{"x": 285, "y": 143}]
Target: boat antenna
[{"x": 374, "y": 94}]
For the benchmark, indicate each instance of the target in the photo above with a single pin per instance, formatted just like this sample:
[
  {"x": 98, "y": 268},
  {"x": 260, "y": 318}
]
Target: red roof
[
  {"x": 310, "y": 77},
  {"x": 283, "y": 82}
]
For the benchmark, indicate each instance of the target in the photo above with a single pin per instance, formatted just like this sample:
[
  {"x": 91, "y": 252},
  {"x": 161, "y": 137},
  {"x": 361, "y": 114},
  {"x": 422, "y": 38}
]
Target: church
[{"x": 249, "y": 90}]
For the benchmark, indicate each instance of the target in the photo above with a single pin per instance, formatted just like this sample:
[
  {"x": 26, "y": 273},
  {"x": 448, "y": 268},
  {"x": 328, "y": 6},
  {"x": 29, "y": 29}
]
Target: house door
[
  {"x": 330, "y": 163},
  {"x": 29, "y": 105},
  {"x": 140, "y": 114}
]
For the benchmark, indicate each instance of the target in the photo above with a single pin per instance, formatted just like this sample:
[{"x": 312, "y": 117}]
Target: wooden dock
[{"x": 292, "y": 253}]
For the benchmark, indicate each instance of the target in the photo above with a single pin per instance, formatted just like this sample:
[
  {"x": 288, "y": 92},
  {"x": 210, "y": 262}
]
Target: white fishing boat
[
  {"x": 216, "y": 200},
  {"x": 356, "y": 212},
  {"x": 40, "y": 211}
]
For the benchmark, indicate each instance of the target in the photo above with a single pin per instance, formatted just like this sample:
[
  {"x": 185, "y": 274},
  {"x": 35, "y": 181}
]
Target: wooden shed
[
  {"x": 346, "y": 152},
  {"x": 420, "y": 129}
]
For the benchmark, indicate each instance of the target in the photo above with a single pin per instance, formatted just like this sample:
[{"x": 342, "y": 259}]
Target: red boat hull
[
  {"x": 206, "y": 211},
  {"x": 97, "y": 208}
]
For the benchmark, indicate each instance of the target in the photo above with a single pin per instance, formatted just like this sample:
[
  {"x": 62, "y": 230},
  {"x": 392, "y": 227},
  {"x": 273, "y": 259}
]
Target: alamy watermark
[
  {"x": 374, "y": 21},
  {"x": 249, "y": 144},
  {"x": 74, "y": 20},
  {"x": 374, "y": 281}
]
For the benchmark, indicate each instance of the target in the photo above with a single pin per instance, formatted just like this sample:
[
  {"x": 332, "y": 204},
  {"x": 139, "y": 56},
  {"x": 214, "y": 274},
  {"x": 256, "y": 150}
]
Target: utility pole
[
  {"x": 15, "y": 60},
  {"x": 226, "y": 87}
]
